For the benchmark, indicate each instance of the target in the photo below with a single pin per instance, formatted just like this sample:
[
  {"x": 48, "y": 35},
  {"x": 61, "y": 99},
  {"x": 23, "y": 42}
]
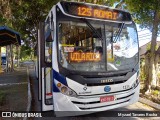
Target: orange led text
[
  {"x": 84, "y": 57},
  {"x": 97, "y": 13}
]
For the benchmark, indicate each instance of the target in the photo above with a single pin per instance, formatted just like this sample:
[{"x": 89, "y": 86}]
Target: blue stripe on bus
[
  {"x": 55, "y": 89},
  {"x": 59, "y": 78}
]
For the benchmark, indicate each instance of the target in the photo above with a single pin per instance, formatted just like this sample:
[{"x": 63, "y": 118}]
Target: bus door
[{"x": 45, "y": 66}]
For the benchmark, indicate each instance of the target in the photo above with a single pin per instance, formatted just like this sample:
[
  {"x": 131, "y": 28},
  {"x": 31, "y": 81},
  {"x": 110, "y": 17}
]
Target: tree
[
  {"x": 24, "y": 15},
  {"x": 101, "y": 2},
  {"x": 5, "y": 12},
  {"x": 147, "y": 14},
  {"x": 26, "y": 52},
  {"x": 27, "y": 14}
]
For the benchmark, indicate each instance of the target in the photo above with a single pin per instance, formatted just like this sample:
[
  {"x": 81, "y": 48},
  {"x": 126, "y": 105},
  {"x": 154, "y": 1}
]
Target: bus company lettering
[
  {"x": 83, "y": 57},
  {"x": 97, "y": 13},
  {"x": 107, "y": 81}
]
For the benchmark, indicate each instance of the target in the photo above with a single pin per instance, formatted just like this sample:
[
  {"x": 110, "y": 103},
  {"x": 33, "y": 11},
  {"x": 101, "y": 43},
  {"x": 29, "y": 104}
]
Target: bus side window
[{"x": 48, "y": 43}]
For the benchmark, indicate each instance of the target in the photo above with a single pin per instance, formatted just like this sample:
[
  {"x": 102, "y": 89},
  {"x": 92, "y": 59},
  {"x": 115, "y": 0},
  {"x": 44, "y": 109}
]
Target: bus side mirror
[
  {"x": 48, "y": 32},
  {"x": 49, "y": 38}
]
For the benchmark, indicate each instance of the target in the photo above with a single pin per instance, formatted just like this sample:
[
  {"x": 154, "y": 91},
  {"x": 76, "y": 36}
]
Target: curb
[
  {"x": 150, "y": 103},
  {"x": 29, "y": 95}
]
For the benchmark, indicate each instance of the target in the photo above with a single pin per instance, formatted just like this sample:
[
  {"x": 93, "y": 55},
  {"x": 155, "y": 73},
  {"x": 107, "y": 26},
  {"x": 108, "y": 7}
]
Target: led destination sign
[
  {"x": 97, "y": 13},
  {"x": 94, "y": 11},
  {"x": 84, "y": 57}
]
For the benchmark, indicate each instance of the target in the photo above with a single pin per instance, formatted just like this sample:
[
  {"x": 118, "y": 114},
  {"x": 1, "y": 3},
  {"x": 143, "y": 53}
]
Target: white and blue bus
[{"x": 88, "y": 59}]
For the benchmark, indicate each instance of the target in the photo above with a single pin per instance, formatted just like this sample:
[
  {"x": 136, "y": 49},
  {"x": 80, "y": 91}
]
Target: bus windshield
[{"x": 100, "y": 47}]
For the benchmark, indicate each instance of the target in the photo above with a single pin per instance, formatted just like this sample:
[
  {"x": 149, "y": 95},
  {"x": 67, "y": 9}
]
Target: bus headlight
[
  {"x": 66, "y": 90},
  {"x": 63, "y": 89}
]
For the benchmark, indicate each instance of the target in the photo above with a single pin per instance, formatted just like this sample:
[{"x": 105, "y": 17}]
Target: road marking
[{"x": 5, "y": 84}]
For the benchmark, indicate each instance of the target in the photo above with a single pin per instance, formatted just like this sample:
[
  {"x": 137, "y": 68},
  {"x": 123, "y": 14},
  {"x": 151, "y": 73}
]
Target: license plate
[{"x": 107, "y": 98}]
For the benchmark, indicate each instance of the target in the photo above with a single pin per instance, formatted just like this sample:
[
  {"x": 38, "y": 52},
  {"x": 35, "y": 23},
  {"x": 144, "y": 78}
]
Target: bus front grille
[
  {"x": 104, "y": 105},
  {"x": 98, "y": 103},
  {"x": 101, "y": 84}
]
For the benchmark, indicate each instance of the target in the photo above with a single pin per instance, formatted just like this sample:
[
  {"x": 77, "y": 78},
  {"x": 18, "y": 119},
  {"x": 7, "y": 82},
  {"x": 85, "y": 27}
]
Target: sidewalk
[
  {"x": 149, "y": 103},
  {"x": 14, "y": 90}
]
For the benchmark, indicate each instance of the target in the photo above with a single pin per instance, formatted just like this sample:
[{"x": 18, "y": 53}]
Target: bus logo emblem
[{"x": 107, "y": 88}]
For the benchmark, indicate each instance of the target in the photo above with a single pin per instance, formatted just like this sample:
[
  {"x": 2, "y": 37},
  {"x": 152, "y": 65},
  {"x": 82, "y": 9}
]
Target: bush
[
  {"x": 155, "y": 92},
  {"x": 142, "y": 76}
]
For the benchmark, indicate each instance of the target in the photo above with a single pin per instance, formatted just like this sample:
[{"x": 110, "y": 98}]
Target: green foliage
[
  {"x": 158, "y": 75},
  {"x": 142, "y": 76},
  {"x": 28, "y": 13},
  {"x": 2, "y": 20},
  {"x": 2, "y": 97},
  {"x": 149, "y": 47},
  {"x": 100, "y": 2},
  {"x": 26, "y": 52},
  {"x": 155, "y": 92},
  {"x": 142, "y": 62},
  {"x": 143, "y": 11},
  {"x": 142, "y": 72}
]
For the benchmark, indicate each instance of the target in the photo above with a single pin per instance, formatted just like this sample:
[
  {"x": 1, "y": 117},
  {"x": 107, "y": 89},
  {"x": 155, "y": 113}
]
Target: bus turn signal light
[{"x": 58, "y": 84}]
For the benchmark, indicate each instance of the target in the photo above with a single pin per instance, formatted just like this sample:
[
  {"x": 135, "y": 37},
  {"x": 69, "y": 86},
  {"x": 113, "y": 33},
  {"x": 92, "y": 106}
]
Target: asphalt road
[{"x": 36, "y": 106}]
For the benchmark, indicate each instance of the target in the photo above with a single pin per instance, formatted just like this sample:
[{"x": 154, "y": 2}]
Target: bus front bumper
[{"x": 71, "y": 106}]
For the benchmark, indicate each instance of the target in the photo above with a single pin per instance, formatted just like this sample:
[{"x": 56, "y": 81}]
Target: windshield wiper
[
  {"x": 92, "y": 28},
  {"x": 118, "y": 33}
]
